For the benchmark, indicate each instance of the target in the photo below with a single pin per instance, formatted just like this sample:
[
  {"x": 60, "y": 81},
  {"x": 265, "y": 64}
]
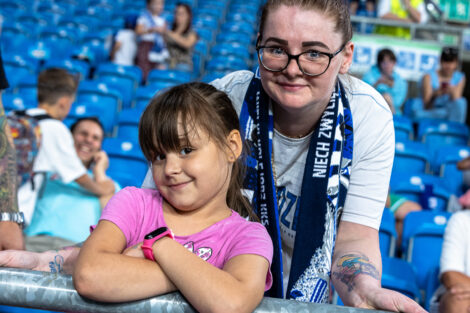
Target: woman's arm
[
  {"x": 185, "y": 42},
  {"x": 102, "y": 273},
  {"x": 99, "y": 188},
  {"x": 11, "y": 236},
  {"x": 239, "y": 287},
  {"x": 357, "y": 269},
  {"x": 456, "y": 92}
]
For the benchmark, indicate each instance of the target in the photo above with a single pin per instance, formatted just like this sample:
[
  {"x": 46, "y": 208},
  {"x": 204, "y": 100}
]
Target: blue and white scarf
[
  {"x": 159, "y": 52},
  {"x": 323, "y": 192}
]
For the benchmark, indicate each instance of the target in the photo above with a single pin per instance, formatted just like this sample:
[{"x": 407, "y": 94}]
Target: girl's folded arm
[
  {"x": 239, "y": 287},
  {"x": 103, "y": 273}
]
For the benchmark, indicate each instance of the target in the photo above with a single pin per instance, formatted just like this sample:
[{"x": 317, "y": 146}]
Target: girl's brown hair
[
  {"x": 335, "y": 9},
  {"x": 194, "y": 104}
]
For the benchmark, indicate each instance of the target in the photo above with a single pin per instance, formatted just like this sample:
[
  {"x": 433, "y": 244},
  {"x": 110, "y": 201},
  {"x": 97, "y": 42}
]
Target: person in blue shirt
[
  {"x": 387, "y": 81},
  {"x": 442, "y": 90}
]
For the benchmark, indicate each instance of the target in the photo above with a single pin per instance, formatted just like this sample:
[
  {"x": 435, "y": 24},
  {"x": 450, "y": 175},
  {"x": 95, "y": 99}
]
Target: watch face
[{"x": 156, "y": 233}]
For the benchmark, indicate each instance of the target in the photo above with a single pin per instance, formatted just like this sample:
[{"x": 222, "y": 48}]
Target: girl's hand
[{"x": 134, "y": 251}]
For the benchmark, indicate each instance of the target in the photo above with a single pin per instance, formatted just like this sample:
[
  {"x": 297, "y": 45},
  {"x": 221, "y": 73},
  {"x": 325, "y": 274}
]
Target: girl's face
[
  {"x": 181, "y": 16},
  {"x": 197, "y": 176},
  {"x": 297, "y": 30},
  {"x": 156, "y": 6},
  {"x": 449, "y": 67}
]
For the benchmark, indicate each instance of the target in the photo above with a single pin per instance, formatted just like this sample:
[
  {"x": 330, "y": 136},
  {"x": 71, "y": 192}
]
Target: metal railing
[{"x": 55, "y": 292}]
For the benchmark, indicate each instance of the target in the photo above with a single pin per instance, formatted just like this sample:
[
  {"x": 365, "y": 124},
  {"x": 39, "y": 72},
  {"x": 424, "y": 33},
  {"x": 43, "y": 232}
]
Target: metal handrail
[{"x": 55, "y": 292}]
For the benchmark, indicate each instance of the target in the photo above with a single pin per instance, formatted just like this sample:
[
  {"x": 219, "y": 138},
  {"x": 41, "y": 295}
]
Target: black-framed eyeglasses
[{"x": 310, "y": 62}]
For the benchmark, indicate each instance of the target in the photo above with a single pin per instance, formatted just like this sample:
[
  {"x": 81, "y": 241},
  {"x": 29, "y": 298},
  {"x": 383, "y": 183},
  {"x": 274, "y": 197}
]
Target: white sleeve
[
  {"x": 383, "y": 7},
  {"x": 373, "y": 151},
  {"x": 57, "y": 153},
  {"x": 455, "y": 243}
]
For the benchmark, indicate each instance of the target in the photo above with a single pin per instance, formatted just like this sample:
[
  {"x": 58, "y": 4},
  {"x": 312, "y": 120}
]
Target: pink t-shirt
[{"x": 138, "y": 212}]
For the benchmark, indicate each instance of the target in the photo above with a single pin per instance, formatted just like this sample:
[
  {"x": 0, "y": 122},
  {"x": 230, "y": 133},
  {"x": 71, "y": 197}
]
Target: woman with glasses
[{"x": 321, "y": 147}]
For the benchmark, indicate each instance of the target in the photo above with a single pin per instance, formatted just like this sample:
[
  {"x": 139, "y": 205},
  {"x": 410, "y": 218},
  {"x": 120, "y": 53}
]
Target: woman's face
[
  {"x": 181, "y": 16},
  {"x": 297, "y": 30},
  {"x": 449, "y": 67}
]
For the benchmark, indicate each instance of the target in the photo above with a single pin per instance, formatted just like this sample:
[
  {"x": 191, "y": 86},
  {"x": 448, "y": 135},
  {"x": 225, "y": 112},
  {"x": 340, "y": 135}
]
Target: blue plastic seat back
[
  {"x": 83, "y": 107},
  {"x": 410, "y": 157},
  {"x": 74, "y": 66},
  {"x": 387, "y": 234},
  {"x": 441, "y": 132},
  {"x": 445, "y": 165},
  {"x": 127, "y": 164},
  {"x": 424, "y": 251},
  {"x": 399, "y": 275},
  {"x": 171, "y": 76},
  {"x": 128, "y": 124},
  {"x": 414, "y": 220},
  {"x": 230, "y": 49},
  {"x": 226, "y": 64},
  {"x": 12, "y": 101},
  {"x": 403, "y": 128},
  {"x": 125, "y": 86},
  {"x": 132, "y": 72},
  {"x": 143, "y": 95}
]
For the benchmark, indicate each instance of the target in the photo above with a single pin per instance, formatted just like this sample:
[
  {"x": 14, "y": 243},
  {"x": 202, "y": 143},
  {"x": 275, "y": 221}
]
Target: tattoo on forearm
[
  {"x": 349, "y": 266},
  {"x": 8, "y": 177},
  {"x": 57, "y": 266}
]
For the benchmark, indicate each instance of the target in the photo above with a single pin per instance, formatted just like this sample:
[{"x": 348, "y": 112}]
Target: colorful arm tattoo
[
  {"x": 351, "y": 265},
  {"x": 8, "y": 177}
]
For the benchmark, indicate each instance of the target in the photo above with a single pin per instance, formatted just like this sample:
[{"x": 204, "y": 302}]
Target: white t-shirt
[
  {"x": 127, "y": 52},
  {"x": 373, "y": 151},
  {"x": 56, "y": 154},
  {"x": 144, "y": 20},
  {"x": 384, "y": 6}
]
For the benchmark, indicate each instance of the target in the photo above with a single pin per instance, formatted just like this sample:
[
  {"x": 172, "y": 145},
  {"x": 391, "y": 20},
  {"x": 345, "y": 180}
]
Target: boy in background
[{"x": 57, "y": 154}]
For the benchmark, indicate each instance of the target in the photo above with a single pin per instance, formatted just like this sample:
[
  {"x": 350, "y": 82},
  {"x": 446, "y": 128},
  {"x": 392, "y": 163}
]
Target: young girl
[{"x": 191, "y": 230}]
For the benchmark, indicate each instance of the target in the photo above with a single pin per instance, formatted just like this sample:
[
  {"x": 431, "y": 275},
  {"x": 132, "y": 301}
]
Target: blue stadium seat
[
  {"x": 210, "y": 76},
  {"x": 17, "y": 73},
  {"x": 127, "y": 164},
  {"x": 98, "y": 94},
  {"x": 124, "y": 86},
  {"x": 13, "y": 309},
  {"x": 239, "y": 27},
  {"x": 143, "y": 95},
  {"x": 205, "y": 33},
  {"x": 128, "y": 124},
  {"x": 27, "y": 87},
  {"x": 428, "y": 190},
  {"x": 414, "y": 220},
  {"x": 411, "y": 157},
  {"x": 83, "y": 108},
  {"x": 226, "y": 64},
  {"x": 403, "y": 128},
  {"x": 12, "y": 101},
  {"x": 170, "y": 76},
  {"x": 439, "y": 132},
  {"x": 399, "y": 275},
  {"x": 131, "y": 72},
  {"x": 424, "y": 252},
  {"x": 74, "y": 66},
  {"x": 96, "y": 41},
  {"x": 387, "y": 234},
  {"x": 239, "y": 38},
  {"x": 445, "y": 165},
  {"x": 230, "y": 49}
]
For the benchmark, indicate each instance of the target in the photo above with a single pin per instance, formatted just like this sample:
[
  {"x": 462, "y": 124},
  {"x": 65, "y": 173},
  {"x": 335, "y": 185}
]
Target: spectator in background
[
  {"x": 180, "y": 39},
  {"x": 124, "y": 48},
  {"x": 64, "y": 211},
  {"x": 11, "y": 236},
  {"x": 57, "y": 154},
  {"x": 387, "y": 81},
  {"x": 442, "y": 91},
  {"x": 151, "y": 50},
  {"x": 362, "y": 7},
  {"x": 408, "y": 11},
  {"x": 453, "y": 296}
]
